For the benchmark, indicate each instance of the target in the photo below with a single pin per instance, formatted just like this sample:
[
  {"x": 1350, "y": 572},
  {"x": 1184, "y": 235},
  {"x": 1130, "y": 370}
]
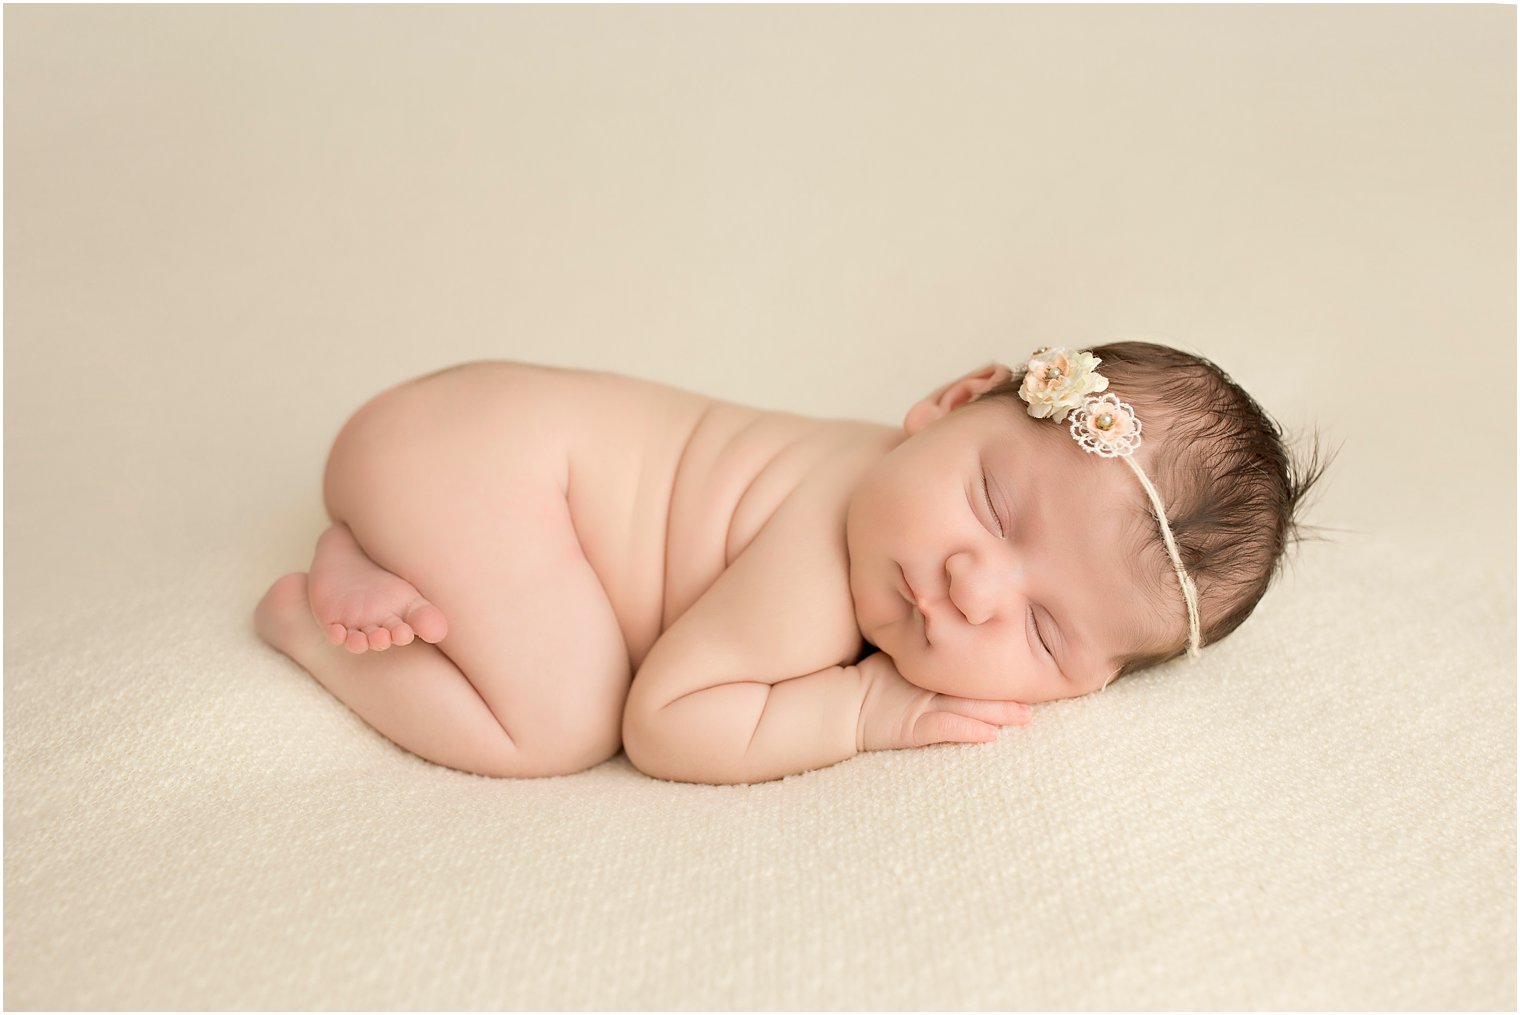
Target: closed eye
[
  {"x": 988, "y": 494},
  {"x": 1034, "y": 628}
]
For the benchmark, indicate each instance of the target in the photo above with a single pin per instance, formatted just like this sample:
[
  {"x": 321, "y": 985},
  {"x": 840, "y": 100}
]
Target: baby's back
[{"x": 665, "y": 487}]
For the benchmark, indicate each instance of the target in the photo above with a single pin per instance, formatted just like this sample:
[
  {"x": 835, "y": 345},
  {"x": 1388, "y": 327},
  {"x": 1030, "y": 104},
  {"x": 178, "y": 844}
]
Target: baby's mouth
[
  {"x": 912, "y": 598},
  {"x": 911, "y": 594},
  {"x": 907, "y": 589}
]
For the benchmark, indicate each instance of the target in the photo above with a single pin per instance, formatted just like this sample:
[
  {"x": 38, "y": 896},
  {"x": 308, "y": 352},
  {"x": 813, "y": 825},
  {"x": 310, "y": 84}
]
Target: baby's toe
[
  {"x": 337, "y": 634},
  {"x": 356, "y": 642},
  {"x": 401, "y": 632},
  {"x": 379, "y": 638},
  {"x": 428, "y": 622}
]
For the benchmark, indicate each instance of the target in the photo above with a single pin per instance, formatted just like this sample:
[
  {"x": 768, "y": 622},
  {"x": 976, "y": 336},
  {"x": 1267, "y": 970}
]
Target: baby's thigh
[{"x": 473, "y": 512}]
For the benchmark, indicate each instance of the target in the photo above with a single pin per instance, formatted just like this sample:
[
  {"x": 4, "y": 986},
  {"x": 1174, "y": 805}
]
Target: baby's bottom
[{"x": 531, "y": 677}]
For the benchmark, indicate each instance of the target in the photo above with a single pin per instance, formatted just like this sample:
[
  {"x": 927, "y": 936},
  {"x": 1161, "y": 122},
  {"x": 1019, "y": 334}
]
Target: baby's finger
[
  {"x": 947, "y": 727},
  {"x": 1003, "y": 713}
]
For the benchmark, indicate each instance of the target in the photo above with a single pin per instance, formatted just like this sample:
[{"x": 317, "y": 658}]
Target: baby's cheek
[{"x": 960, "y": 681}]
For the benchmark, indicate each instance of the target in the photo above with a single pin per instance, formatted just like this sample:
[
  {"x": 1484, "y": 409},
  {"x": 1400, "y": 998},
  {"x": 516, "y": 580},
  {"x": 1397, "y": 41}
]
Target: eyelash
[
  {"x": 987, "y": 493},
  {"x": 1037, "y": 635}
]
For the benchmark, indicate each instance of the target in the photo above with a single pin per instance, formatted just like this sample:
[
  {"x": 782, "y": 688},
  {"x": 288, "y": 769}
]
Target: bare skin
[
  {"x": 512, "y": 544},
  {"x": 361, "y": 605}
]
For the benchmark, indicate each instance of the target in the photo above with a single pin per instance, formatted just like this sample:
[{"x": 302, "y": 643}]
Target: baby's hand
[{"x": 897, "y": 714}]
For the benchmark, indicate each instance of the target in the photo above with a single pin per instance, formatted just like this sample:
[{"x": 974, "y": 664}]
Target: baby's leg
[
  {"x": 418, "y": 698},
  {"x": 474, "y": 518}
]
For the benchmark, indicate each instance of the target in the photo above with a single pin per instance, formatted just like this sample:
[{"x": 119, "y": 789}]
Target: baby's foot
[{"x": 362, "y": 606}]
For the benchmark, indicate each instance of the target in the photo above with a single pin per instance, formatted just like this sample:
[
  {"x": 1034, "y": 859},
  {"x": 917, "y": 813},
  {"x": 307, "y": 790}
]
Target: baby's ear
[{"x": 952, "y": 396}]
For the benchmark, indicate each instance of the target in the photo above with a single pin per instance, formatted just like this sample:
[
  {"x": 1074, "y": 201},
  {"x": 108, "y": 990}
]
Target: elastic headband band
[{"x": 1060, "y": 381}]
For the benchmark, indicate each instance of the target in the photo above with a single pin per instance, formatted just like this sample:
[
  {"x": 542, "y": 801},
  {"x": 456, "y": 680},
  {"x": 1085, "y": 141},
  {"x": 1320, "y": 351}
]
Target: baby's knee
[
  {"x": 550, "y": 749},
  {"x": 579, "y": 746}
]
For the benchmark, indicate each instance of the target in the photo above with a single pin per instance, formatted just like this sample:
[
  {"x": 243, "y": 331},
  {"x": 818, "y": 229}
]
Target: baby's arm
[{"x": 757, "y": 679}]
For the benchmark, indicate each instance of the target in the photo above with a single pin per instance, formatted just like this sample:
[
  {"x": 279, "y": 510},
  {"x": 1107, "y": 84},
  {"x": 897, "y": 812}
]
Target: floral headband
[{"x": 1060, "y": 381}]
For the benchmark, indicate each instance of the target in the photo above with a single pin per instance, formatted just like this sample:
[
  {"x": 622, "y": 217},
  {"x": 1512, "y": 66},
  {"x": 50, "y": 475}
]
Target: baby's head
[
  {"x": 1232, "y": 489},
  {"x": 995, "y": 554}
]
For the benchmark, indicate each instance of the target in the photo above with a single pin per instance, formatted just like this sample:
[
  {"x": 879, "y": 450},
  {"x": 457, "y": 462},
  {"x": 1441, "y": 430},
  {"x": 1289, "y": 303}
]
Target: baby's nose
[
  {"x": 976, "y": 612},
  {"x": 974, "y": 589}
]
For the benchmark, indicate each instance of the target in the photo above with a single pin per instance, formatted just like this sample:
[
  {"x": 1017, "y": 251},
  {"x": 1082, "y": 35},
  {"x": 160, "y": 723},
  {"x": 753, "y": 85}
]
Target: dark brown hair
[{"x": 1233, "y": 491}]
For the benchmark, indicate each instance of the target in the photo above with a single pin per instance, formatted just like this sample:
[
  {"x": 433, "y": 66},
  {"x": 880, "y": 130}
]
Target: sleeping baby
[{"x": 529, "y": 568}]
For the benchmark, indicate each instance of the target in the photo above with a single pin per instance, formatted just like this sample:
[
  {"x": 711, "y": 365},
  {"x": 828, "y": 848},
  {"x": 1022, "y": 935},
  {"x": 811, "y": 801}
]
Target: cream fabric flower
[
  {"x": 1058, "y": 380},
  {"x": 1106, "y": 426}
]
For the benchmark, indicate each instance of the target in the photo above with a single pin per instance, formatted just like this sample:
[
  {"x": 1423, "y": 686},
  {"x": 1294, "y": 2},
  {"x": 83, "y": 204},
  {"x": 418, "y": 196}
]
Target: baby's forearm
[{"x": 751, "y": 732}]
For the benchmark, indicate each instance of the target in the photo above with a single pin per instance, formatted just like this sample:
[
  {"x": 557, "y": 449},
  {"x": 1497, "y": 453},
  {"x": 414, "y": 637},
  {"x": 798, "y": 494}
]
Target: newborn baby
[{"x": 530, "y": 567}]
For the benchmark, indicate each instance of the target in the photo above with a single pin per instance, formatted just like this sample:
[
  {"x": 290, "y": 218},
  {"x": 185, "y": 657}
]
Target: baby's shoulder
[
  {"x": 758, "y": 536},
  {"x": 742, "y": 464}
]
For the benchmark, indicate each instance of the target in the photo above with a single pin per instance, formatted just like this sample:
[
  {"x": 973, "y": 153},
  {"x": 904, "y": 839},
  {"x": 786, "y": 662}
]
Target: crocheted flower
[
  {"x": 1058, "y": 380},
  {"x": 1106, "y": 426}
]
